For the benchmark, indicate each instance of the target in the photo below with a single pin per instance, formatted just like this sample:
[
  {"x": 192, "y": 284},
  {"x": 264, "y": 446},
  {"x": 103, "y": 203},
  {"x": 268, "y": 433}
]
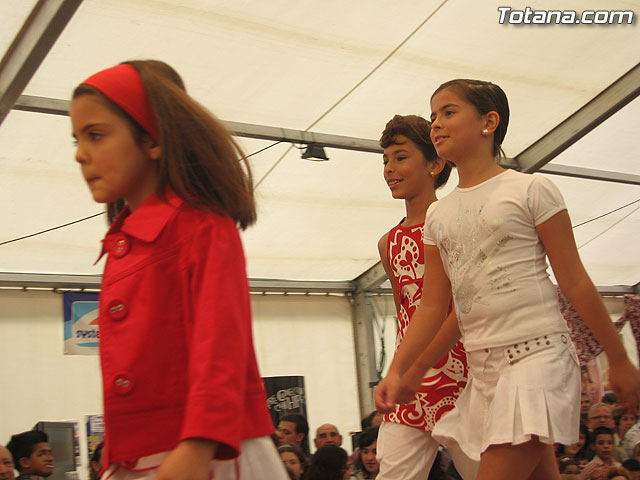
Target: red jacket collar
[{"x": 145, "y": 222}]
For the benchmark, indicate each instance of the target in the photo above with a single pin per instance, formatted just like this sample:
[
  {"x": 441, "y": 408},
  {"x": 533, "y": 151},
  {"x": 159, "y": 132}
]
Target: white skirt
[
  {"x": 258, "y": 460},
  {"x": 515, "y": 392}
]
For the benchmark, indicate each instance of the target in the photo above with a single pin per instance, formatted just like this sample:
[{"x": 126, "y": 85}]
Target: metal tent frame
[{"x": 49, "y": 18}]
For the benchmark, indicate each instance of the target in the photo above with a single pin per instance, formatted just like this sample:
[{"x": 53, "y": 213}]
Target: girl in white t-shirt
[{"x": 486, "y": 242}]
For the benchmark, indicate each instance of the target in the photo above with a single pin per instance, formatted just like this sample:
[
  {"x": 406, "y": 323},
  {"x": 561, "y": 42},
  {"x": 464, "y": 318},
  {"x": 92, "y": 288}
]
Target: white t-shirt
[{"x": 494, "y": 259}]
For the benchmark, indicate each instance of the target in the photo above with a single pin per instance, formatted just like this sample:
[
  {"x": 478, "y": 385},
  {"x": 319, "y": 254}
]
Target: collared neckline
[{"x": 145, "y": 222}]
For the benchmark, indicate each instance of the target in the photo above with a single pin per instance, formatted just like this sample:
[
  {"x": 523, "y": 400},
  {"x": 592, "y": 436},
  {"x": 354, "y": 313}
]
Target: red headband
[{"x": 122, "y": 85}]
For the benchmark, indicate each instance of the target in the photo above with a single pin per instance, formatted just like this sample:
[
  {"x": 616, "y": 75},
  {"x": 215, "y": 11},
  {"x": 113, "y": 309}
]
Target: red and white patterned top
[{"x": 445, "y": 381}]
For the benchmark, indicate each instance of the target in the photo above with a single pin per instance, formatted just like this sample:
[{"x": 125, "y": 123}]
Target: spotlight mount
[{"x": 315, "y": 153}]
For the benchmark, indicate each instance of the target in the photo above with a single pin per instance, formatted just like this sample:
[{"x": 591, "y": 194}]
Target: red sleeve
[{"x": 219, "y": 340}]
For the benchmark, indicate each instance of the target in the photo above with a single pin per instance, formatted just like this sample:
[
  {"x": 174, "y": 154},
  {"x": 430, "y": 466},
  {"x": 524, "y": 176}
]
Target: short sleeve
[
  {"x": 544, "y": 199},
  {"x": 429, "y": 235}
]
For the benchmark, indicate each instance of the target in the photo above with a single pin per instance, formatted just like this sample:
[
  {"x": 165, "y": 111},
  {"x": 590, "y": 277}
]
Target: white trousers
[
  {"x": 258, "y": 460},
  {"x": 404, "y": 452},
  {"x": 408, "y": 453}
]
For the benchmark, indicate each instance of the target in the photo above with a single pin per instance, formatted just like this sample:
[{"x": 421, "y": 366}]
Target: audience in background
[
  {"x": 31, "y": 454},
  {"x": 366, "y": 465},
  {"x": 631, "y": 439},
  {"x": 600, "y": 415},
  {"x": 329, "y": 463},
  {"x": 589, "y": 386},
  {"x": 568, "y": 466},
  {"x": 6, "y": 464},
  {"x": 327, "y": 434},
  {"x": 585, "y": 405},
  {"x": 636, "y": 452},
  {"x": 95, "y": 464},
  {"x": 293, "y": 429},
  {"x": 294, "y": 459},
  {"x": 633, "y": 467},
  {"x": 579, "y": 452},
  {"x": 612, "y": 436},
  {"x": 624, "y": 419},
  {"x": 602, "y": 445},
  {"x": 373, "y": 419},
  {"x": 611, "y": 399}
]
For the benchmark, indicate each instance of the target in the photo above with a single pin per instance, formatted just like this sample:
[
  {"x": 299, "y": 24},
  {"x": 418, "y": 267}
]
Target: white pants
[
  {"x": 258, "y": 460},
  {"x": 404, "y": 452}
]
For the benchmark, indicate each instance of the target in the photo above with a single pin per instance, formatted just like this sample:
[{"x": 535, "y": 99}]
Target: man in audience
[
  {"x": 293, "y": 430},
  {"x": 6, "y": 464},
  {"x": 32, "y": 454},
  {"x": 600, "y": 415},
  {"x": 372, "y": 419},
  {"x": 327, "y": 434}
]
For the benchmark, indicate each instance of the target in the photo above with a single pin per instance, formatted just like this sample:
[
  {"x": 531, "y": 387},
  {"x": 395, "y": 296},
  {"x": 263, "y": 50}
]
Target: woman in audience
[
  {"x": 625, "y": 418},
  {"x": 294, "y": 460},
  {"x": 580, "y": 452},
  {"x": 329, "y": 463},
  {"x": 366, "y": 466}
]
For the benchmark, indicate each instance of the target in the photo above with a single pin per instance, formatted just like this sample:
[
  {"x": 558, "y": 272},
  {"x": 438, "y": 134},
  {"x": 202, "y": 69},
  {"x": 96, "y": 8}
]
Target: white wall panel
[{"x": 294, "y": 335}]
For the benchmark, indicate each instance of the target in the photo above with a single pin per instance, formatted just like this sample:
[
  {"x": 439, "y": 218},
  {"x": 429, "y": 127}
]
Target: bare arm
[
  {"x": 384, "y": 260},
  {"x": 557, "y": 237},
  {"x": 190, "y": 460},
  {"x": 423, "y": 327},
  {"x": 442, "y": 343}
]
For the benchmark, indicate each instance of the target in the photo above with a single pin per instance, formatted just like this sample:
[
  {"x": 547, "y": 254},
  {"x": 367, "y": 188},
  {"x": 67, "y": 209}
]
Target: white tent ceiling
[{"x": 332, "y": 67}]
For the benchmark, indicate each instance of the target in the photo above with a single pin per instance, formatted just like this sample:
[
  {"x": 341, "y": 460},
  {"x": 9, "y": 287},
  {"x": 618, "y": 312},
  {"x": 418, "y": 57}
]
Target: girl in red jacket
[{"x": 183, "y": 398}]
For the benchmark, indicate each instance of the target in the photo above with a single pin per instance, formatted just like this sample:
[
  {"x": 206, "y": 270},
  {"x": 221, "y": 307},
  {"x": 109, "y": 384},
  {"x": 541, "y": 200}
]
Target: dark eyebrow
[
  {"x": 85, "y": 128},
  {"x": 444, "y": 107}
]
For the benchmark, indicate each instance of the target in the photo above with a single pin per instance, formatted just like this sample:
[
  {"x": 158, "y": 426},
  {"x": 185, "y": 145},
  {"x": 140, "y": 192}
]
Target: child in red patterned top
[{"x": 413, "y": 172}]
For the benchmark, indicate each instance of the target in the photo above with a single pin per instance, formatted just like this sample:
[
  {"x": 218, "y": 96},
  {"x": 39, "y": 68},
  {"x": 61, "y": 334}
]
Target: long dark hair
[
  {"x": 328, "y": 463},
  {"x": 297, "y": 451},
  {"x": 200, "y": 160},
  {"x": 366, "y": 438},
  {"x": 585, "y": 452}
]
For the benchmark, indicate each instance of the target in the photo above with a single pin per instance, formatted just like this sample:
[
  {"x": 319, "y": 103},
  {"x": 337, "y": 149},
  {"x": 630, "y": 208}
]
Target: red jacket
[{"x": 175, "y": 333}]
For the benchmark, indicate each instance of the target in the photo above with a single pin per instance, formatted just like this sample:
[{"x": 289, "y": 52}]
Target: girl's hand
[
  {"x": 190, "y": 460},
  {"x": 625, "y": 381},
  {"x": 409, "y": 386},
  {"x": 385, "y": 392}
]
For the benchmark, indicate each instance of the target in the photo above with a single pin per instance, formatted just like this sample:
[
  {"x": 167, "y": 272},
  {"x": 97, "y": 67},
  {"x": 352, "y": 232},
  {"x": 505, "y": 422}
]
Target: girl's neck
[
  {"x": 416, "y": 207},
  {"x": 474, "y": 171}
]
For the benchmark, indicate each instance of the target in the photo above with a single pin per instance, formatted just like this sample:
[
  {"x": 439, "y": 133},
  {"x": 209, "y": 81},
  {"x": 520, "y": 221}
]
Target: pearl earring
[{"x": 485, "y": 131}]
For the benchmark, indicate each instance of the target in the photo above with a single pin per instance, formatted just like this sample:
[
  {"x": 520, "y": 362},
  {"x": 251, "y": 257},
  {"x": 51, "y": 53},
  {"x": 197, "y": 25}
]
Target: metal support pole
[
  {"x": 365, "y": 352},
  {"x": 36, "y": 37}
]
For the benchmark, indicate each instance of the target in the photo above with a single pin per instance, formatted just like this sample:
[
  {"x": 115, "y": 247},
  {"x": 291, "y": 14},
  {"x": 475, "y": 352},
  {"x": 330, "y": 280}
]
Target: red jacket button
[
  {"x": 121, "y": 245},
  {"x": 117, "y": 310},
  {"x": 123, "y": 384}
]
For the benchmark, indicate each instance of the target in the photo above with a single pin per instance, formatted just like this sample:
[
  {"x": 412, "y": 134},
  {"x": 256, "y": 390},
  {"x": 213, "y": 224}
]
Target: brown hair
[
  {"x": 297, "y": 451},
  {"x": 486, "y": 97},
  {"x": 200, "y": 160},
  {"x": 416, "y": 129}
]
